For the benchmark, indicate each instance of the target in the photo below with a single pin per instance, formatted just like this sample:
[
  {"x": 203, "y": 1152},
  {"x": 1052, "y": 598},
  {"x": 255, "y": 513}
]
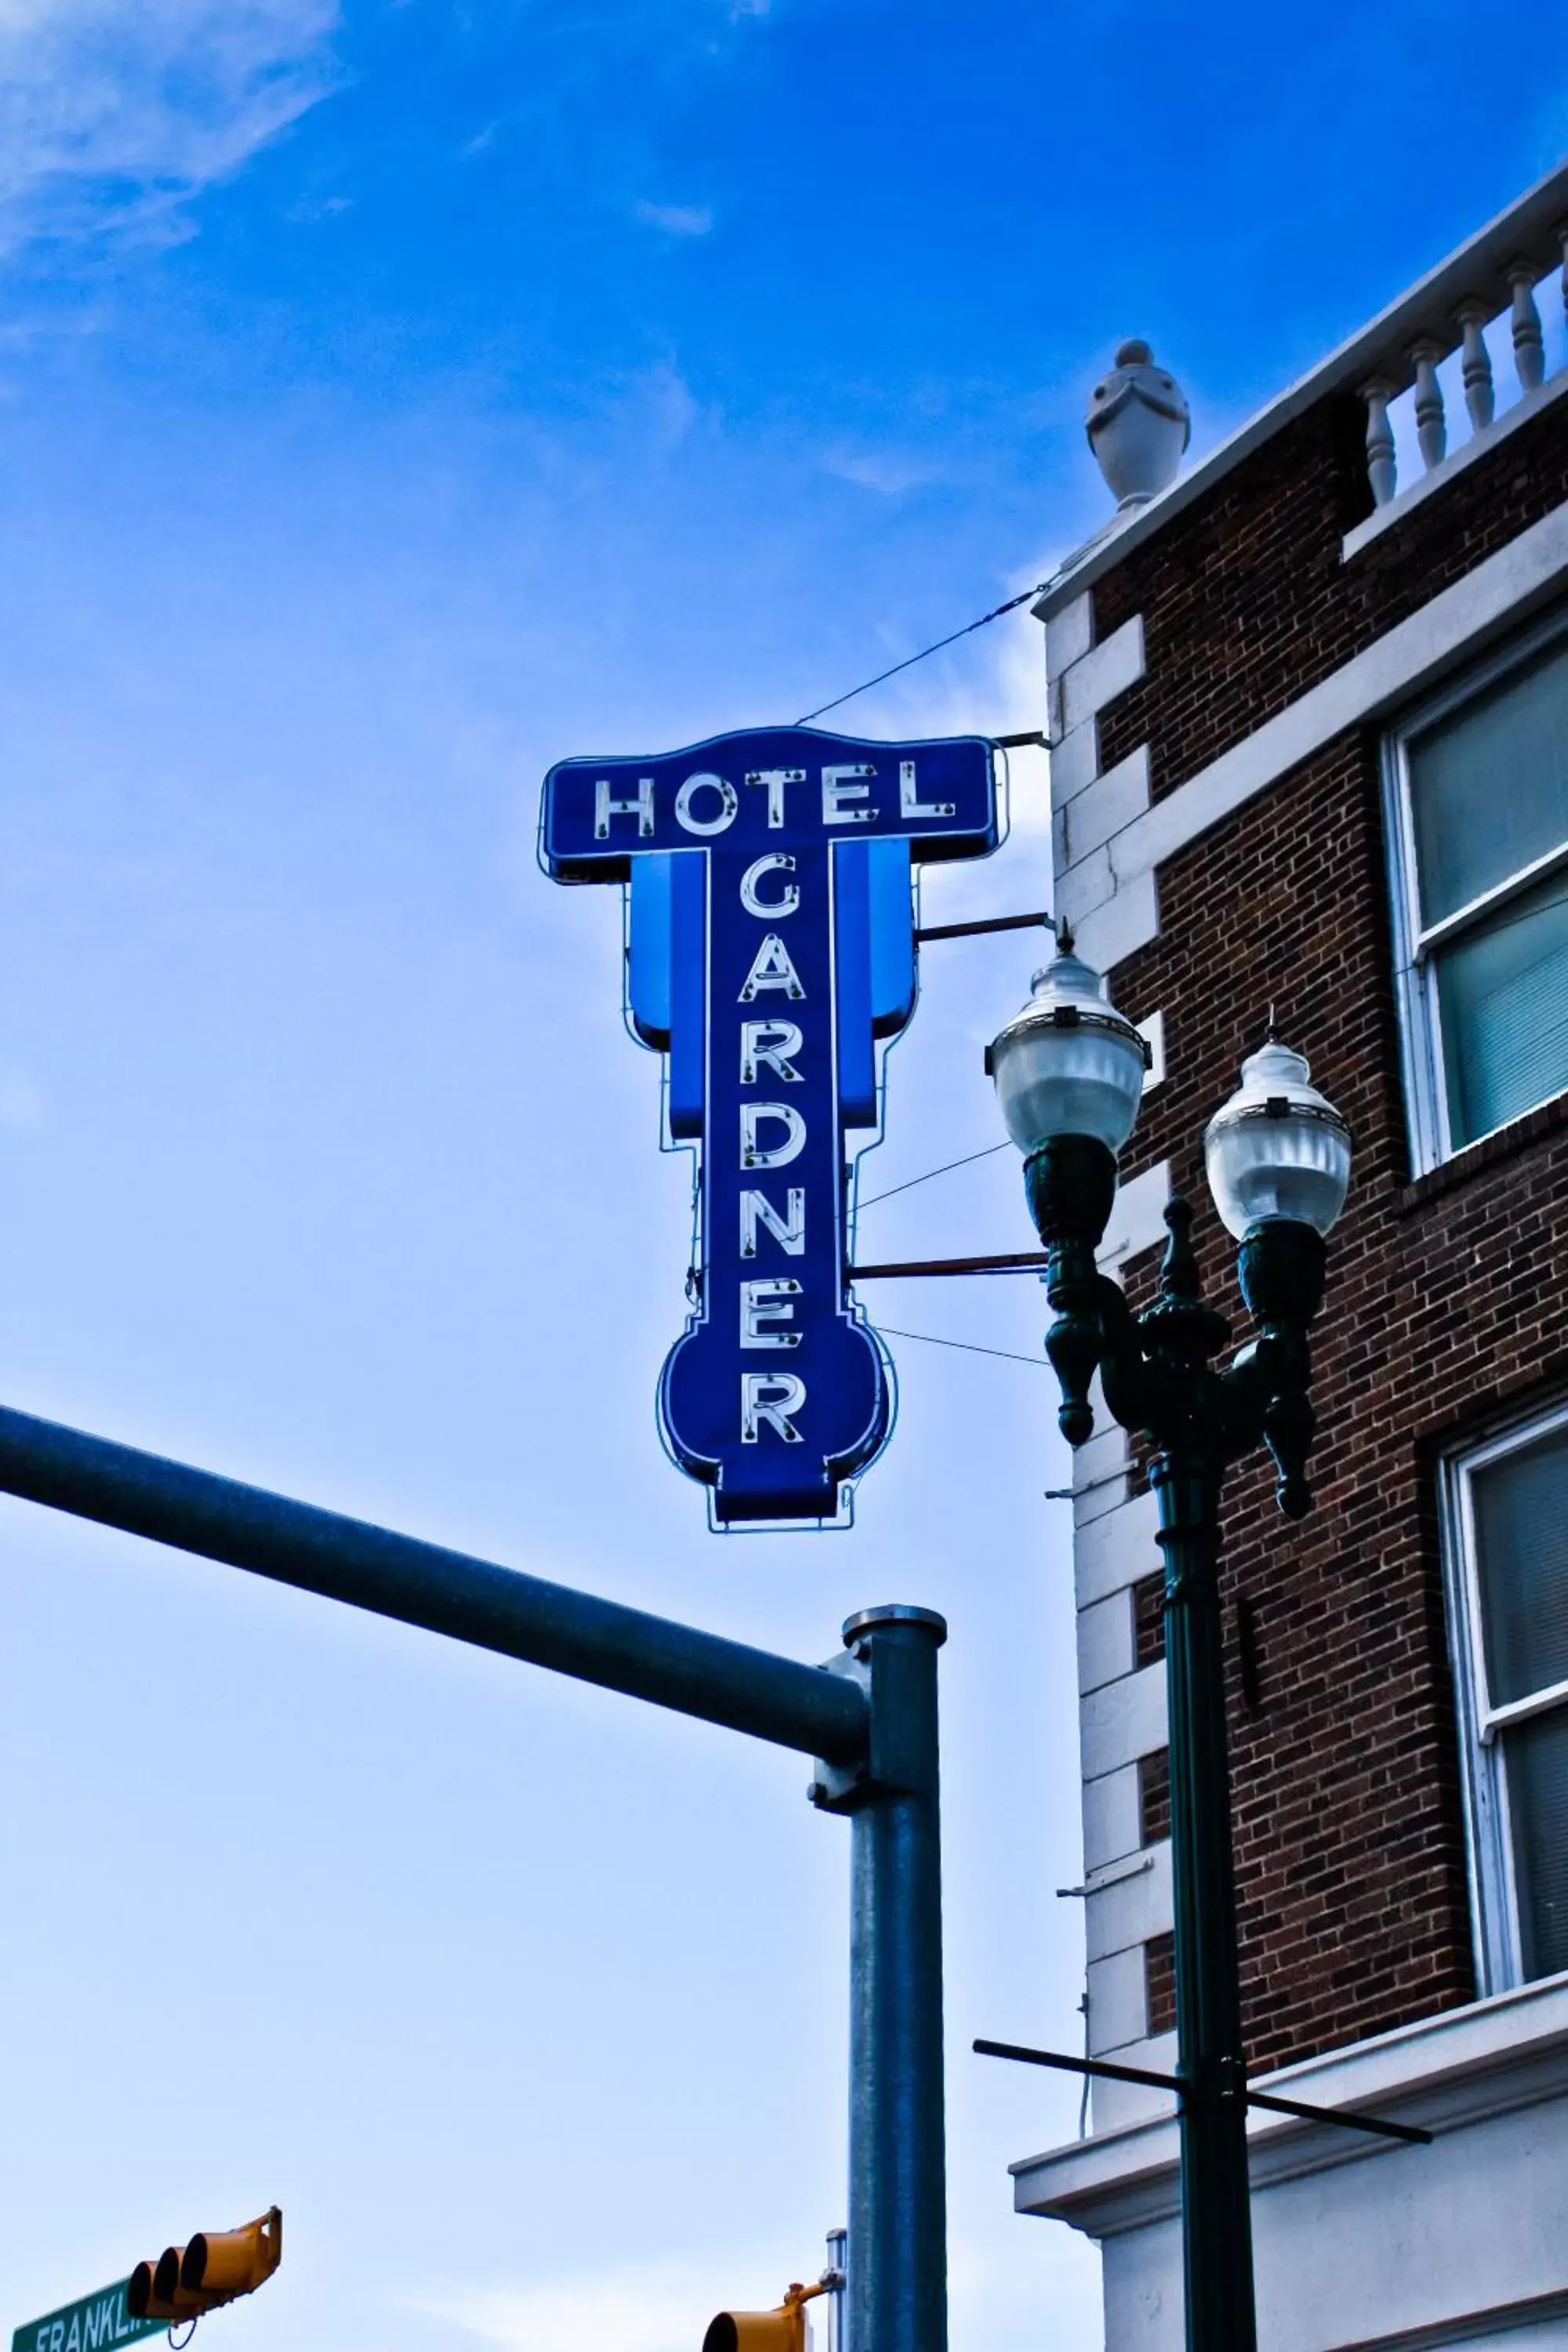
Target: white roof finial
[{"x": 1138, "y": 425}]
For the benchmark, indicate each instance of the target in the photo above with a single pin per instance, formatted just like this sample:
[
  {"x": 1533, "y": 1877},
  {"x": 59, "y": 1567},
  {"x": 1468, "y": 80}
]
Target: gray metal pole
[
  {"x": 550, "y": 1625},
  {"x": 838, "y": 2266},
  {"x": 897, "y": 2294},
  {"x": 871, "y": 1723}
]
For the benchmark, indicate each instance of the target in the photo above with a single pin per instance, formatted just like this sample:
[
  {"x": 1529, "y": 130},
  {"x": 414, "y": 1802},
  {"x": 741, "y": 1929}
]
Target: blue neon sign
[{"x": 771, "y": 946}]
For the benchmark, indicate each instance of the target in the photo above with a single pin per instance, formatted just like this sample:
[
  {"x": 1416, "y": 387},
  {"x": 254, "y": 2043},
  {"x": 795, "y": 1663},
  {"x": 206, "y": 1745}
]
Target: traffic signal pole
[
  {"x": 898, "y": 2192},
  {"x": 869, "y": 1719}
]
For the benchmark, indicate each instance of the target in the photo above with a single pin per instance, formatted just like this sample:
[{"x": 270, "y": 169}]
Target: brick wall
[
  {"x": 1247, "y": 601},
  {"x": 1442, "y": 1303}
]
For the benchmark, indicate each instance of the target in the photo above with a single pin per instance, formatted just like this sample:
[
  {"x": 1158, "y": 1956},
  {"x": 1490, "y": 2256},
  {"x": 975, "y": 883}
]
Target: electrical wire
[
  {"x": 967, "y": 1346},
  {"x": 926, "y": 651},
  {"x": 945, "y": 1169},
  {"x": 927, "y": 1339}
]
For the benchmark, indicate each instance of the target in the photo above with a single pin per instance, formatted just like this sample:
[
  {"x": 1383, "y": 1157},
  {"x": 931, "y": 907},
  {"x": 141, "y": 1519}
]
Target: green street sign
[{"x": 96, "y": 2324}]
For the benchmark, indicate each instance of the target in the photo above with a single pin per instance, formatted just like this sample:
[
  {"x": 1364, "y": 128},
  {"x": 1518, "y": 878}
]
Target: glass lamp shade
[
  {"x": 1069, "y": 1064},
  {"x": 1278, "y": 1149}
]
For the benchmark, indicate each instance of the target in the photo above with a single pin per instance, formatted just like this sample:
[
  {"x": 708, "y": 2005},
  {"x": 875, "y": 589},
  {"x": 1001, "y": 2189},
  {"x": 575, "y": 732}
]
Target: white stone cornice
[
  {"x": 1447, "y": 2073},
  {"x": 1480, "y": 445},
  {"x": 1109, "y": 894},
  {"x": 1478, "y": 269}
]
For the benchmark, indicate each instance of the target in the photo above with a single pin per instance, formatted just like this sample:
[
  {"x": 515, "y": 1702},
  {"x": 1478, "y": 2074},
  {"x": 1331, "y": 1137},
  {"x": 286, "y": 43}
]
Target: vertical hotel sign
[{"x": 771, "y": 947}]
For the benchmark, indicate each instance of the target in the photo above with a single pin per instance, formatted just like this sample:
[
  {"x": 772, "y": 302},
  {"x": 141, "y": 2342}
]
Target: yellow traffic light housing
[
  {"x": 223, "y": 2263},
  {"x": 215, "y": 2267},
  {"x": 142, "y": 2301},
  {"x": 782, "y": 2330}
]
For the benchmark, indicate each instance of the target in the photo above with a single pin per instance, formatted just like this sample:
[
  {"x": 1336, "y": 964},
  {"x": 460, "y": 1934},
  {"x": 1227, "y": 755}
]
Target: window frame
[
  {"x": 1489, "y": 1839},
  {"x": 1415, "y": 944}
]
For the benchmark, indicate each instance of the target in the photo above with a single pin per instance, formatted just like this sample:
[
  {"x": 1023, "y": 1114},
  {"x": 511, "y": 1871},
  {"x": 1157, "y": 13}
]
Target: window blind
[
  {"x": 1489, "y": 786},
  {"x": 1536, "y": 1758},
  {"x": 1520, "y": 1507},
  {"x": 1502, "y": 993},
  {"x": 1521, "y": 1504}
]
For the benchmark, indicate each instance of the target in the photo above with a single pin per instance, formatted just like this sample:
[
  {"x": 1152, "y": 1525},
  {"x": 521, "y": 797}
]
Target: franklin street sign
[
  {"x": 97, "y": 2324},
  {"x": 771, "y": 946}
]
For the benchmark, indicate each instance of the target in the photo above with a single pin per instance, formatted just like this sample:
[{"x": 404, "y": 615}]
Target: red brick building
[{"x": 1308, "y": 711}]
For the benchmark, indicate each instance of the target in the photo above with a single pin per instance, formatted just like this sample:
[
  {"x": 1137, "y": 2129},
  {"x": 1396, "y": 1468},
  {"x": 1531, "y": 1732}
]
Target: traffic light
[
  {"x": 141, "y": 2301},
  {"x": 212, "y": 2269},
  {"x": 782, "y": 2330}
]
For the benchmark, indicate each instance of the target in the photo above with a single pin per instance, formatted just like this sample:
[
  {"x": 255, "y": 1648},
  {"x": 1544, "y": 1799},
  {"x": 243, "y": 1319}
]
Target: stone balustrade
[{"x": 1504, "y": 296}]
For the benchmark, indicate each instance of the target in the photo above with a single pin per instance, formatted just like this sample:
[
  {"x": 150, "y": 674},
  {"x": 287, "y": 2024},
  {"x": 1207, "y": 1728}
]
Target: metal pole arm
[
  {"x": 1138, "y": 1389},
  {"x": 1282, "y": 1267},
  {"x": 873, "y": 1730},
  {"x": 449, "y": 1592},
  {"x": 1172, "y": 1399},
  {"x": 1155, "y": 1367},
  {"x": 1107, "y": 2070}
]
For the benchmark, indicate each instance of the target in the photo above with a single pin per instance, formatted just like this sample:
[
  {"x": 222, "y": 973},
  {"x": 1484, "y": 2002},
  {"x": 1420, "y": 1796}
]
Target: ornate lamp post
[{"x": 1069, "y": 1072}]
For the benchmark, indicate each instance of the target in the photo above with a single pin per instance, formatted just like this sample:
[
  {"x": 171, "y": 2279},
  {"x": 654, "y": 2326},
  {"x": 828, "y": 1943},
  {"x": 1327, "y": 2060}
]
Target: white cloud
[
  {"x": 878, "y": 470},
  {"x": 319, "y": 208},
  {"x": 666, "y": 403},
  {"x": 662, "y": 2310},
  {"x": 677, "y": 220},
  {"x": 21, "y": 1105},
  {"x": 114, "y": 114}
]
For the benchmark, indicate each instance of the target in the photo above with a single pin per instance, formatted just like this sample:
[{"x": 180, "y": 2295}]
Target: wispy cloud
[
  {"x": 623, "y": 2311},
  {"x": 319, "y": 208},
  {"x": 882, "y": 470},
  {"x": 21, "y": 1105},
  {"x": 115, "y": 113},
  {"x": 677, "y": 220},
  {"x": 667, "y": 404}
]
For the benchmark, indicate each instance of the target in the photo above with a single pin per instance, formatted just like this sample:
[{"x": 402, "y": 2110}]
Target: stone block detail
[
  {"x": 1073, "y": 763},
  {"x": 1105, "y": 1642},
  {"x": 1124, "y": 1721},
  {"x": 1111, "y": 1818},
  {"x": 1087, "y": 685},
  {"x": 1115, "y": 1548},
  {"x": 1105, "y": 807},
  {"x": 1119, "y": 924},
  {"x": 1116, "y": 2000},
  {"x": 1132, "y": 1908}
]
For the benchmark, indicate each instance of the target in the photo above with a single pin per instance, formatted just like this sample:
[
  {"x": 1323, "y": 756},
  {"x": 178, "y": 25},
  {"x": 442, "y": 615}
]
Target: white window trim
[
  {"x": 1488, "y": 1842},
  {"x": 1415, "y": 970}
]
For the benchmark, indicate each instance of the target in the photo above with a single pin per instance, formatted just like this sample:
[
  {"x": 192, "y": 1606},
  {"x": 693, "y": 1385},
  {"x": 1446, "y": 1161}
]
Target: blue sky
[{"x": 393, "y": 400}]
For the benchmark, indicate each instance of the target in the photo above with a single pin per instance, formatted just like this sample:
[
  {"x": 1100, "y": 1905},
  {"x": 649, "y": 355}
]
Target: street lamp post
[{"x": 1069, "y": 1072}]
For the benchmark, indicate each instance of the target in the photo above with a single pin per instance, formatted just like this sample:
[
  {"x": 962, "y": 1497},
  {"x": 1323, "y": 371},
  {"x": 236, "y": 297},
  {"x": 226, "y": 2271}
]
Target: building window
[
  {"x": 1478, "y": 785},
  {"x": 1506, "y": 1528}
]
